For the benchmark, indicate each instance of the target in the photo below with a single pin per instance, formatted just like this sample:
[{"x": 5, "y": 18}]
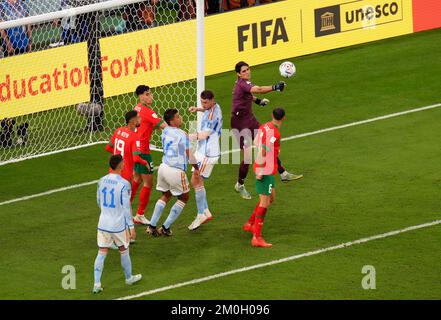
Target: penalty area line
[{"x": 279, "y": 261}]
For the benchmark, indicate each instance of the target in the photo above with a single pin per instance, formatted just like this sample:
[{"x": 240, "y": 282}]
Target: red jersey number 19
[{"x": 119, "y": 147}]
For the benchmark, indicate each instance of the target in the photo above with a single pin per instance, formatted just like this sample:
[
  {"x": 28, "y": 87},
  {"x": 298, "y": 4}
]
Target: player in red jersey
[
  {"x": 125, "y": 141},
  {"x": 267, "y": 142},
  {"x": 149, "y": 121}
]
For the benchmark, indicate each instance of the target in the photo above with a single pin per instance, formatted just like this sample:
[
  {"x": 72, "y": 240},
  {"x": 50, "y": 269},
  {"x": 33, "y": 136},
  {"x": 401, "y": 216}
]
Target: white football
[{"x": 287, "y": 69}]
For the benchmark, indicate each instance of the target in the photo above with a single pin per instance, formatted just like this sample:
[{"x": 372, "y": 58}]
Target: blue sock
[
  {"x": 174, "y": 213},
  {"x": 99, "y": 266},
  {"x": 126, "y": 264},
  {"x": 159, "y": 207},
  {"x": 201, "y": 199}
]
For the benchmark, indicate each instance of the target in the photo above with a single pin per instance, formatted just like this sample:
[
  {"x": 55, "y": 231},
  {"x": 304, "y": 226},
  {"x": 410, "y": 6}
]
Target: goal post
[
  {"x": 200, "y": 55},
  {"x": 74, "y": 84}
]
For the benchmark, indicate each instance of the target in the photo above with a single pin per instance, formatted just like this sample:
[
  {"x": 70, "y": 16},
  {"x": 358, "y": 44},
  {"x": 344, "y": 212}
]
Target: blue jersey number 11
[{"x": 112, "y": 198}]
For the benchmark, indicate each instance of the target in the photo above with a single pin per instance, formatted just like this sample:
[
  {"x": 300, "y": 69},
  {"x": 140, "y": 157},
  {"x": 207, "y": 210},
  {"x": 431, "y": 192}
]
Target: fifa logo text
[{"x": 262, "y": 33}]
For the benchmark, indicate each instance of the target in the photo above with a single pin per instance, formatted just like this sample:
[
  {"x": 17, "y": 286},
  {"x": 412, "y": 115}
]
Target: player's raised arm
[
  {"x": 196, "y": 109},
  {"x": 280, "y": 86},
  {"x": 204, "y": 134},
  {"x": 261, "y": 89},
  {"x": 211, "y": 123},
  {"x": 162, "y": 126}
]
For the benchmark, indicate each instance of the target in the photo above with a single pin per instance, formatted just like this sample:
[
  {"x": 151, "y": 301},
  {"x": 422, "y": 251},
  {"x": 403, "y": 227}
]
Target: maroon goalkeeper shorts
[{"x": 244, "y": 129}]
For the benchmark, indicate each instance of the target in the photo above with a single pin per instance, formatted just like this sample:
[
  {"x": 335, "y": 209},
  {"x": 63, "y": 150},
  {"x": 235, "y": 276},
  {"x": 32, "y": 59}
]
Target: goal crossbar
[{"x": 36, "y": 19}]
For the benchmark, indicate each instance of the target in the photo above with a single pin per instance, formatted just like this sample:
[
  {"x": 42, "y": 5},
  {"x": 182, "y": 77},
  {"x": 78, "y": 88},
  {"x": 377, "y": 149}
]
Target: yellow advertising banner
[
  {"x": 43, "y": 80},
  {"x": 364, "y": 15},
  {"x": 293, "y": 28},
  {"x": 156, "y": 57},
  {"x": 163, "y": 55}
]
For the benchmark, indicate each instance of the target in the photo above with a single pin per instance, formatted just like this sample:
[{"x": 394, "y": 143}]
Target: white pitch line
[
  {"x": 61, "y": 151},
  {"x": 278, "y": 261},
  {"x": 51, "y": 153},
  {"x": 357, "y": 123},
  {"x": 49, "y": 192},
  {"x": 387, "y": 116},
  {"x": 396, "y": 114}
]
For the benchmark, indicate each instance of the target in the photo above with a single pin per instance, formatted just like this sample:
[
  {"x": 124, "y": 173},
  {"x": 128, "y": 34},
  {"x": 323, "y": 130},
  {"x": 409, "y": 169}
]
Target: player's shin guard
[
  {"x": 159, "y": 207},
  {"x": 252, "y": 218},
  {"x": 201, "y": 199},
  {"x": 144, "y": 197},
  {"x": 126, "y": 263},
  {"x": 243, "y": 172},
  {"x": 174, "y": 213},
  {"x": 260, "y": 217},
  {"x": 135, "y": 186},
  {"x": 99, "y": 266}
]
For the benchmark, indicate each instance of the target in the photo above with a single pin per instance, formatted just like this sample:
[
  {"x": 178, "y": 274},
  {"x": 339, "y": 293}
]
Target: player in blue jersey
[
  {"x": 113, "y": 197},
  {"x": 172, "y": 178},
  {"x": 207, "y": 154}
]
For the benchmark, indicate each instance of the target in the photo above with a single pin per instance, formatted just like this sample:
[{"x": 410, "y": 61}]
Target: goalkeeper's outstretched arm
[{"x": 265, "y": 89}]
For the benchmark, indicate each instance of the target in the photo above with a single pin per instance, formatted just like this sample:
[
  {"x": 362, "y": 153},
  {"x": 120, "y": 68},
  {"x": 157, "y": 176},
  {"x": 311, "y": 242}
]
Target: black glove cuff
[{"x": 257, "y": 101}]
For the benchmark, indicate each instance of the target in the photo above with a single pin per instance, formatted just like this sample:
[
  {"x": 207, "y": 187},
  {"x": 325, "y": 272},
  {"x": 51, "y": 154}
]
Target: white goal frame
[{"x": 106, "y": 5}]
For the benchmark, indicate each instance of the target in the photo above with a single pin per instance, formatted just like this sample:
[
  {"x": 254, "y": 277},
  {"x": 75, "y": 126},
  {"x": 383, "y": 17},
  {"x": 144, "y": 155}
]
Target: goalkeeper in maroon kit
[{"x": 244, "y": 123}]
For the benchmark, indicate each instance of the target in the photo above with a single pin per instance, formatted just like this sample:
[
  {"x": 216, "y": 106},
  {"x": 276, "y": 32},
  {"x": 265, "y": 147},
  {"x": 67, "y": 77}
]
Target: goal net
[{"x": 69, "y": 69}]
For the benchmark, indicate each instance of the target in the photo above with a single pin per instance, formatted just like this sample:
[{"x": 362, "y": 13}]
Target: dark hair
[
  {"x": 115, "y": 160},
  {"x": 207, "y": 94},
  {"x": 278, "y": 113},
  {"x": 169, "y": 114},
  {"x": 239, "y": 66},
  {"x": 141, "y": 89},
  {"x": 130, "y": 115}
]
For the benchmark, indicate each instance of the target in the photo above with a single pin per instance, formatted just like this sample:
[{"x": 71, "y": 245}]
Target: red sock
[
  {"x": 260, "y": 217},
  {"x": 144, "y": 197},
  {"x": 253, "y": 215},
  {"x": 135, "y": 186}
]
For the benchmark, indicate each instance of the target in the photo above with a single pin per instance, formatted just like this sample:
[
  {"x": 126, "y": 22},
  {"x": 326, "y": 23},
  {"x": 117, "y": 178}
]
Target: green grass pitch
[{"x": 358, "y": 182}]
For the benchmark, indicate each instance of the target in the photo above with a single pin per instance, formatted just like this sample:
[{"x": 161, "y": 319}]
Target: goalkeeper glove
[
  {"x": 279, "y": 86},
  {"x": 261, "y": 102}
]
